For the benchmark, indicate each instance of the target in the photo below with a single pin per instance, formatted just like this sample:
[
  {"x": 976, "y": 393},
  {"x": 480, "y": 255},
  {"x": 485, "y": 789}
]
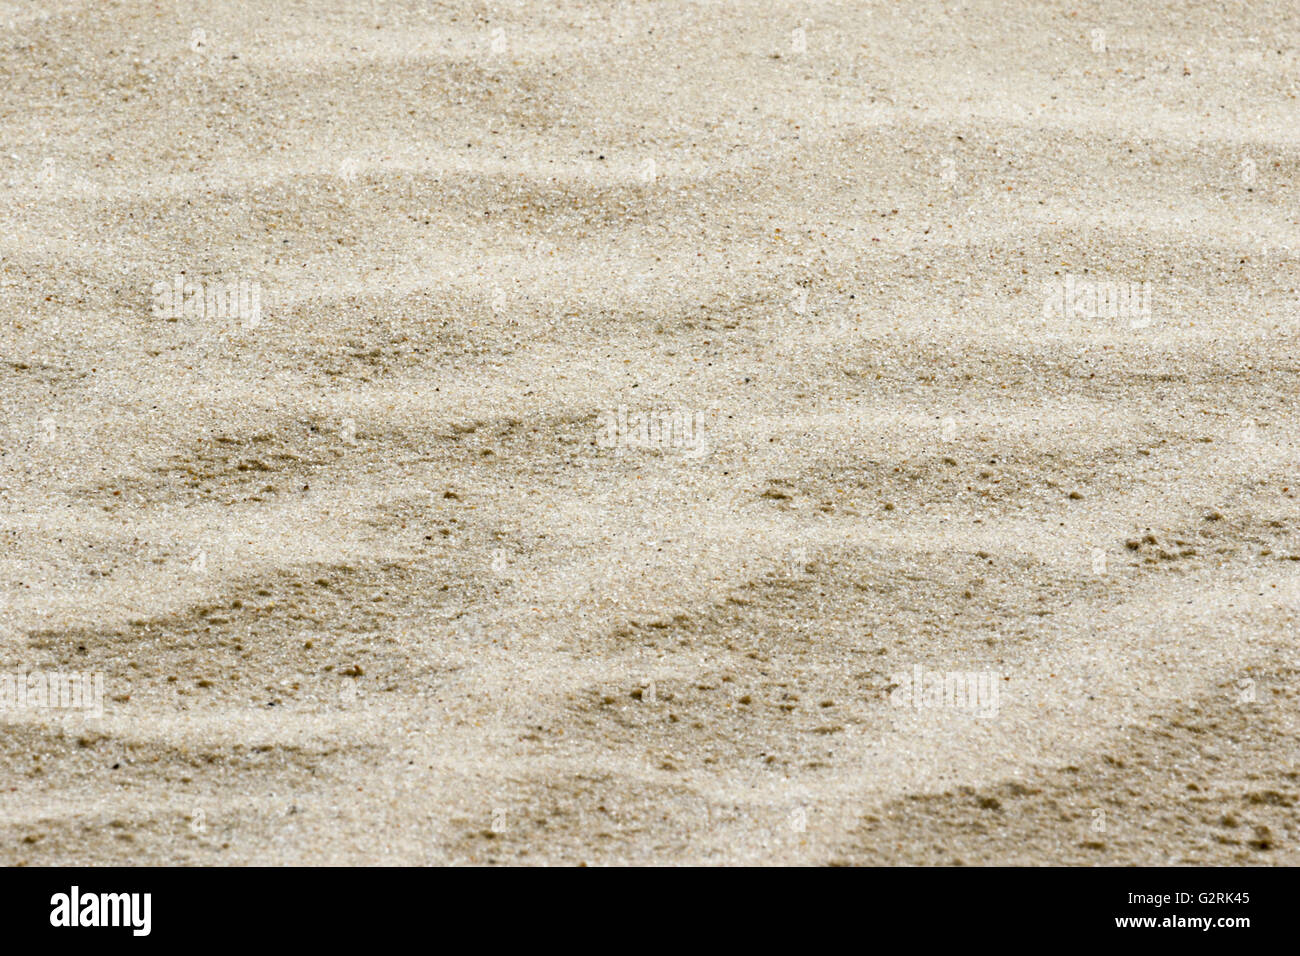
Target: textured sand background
[{"x": 365, "y": 584}]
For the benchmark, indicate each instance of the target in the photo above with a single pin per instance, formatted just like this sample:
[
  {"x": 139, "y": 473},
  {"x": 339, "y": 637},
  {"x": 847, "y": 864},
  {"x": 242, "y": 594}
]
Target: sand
[{"x": 590, "y": 418}]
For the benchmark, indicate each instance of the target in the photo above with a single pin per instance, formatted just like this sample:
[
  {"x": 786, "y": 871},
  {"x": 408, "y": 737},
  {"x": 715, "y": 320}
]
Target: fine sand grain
[{"x": 376, "y": 565}]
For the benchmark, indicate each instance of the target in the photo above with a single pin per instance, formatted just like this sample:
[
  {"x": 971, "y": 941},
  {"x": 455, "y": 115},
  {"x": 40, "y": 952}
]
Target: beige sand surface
[{"x": 362, "y": 575}]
